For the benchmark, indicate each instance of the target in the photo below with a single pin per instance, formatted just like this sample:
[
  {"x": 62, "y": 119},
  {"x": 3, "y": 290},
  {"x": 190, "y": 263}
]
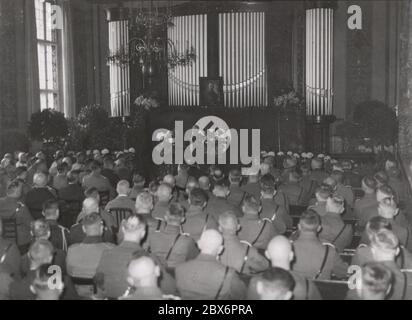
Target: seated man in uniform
[
  {"x": 197, "y": 220},
  {"x": 317, "y": 173},
  {"x": 122, "y": 201},
  {"x": 97, "y": 180},
  {"x": 252, "y": 186},
  {"x": 204, "y": 184},
  {"x": 280, "y": 254},
  {"x": 376, "y": 282},
  {"x": 315, "y": 259},
  {"x": 219, "y": 203},
  {"x": 168, "y": 243},
  {"x": 10, "y": 256},
  {"x": 334, "y": 229},
  {"x": 38, "y": 195},
  {"x": 274, "y": 207},
  {"x": 253, "y": 229},
  {"x": 41, "y": 284},
  {"x": 138, "y": 186},
  {"x": 164, "y": 196},
  {"x": 59, "y": 235},
  {"x": 385, "y": 248},
  {"x": 239, "y": 255},
  {"x": 369, "y": 198},
  {"x": 205, "y": 278},
  {"x": 342, "y": 190},
  {"x": 275, "y": 284},
  {"x": 397, "y": 184},
  {"x": 83, "y": 258},
  {"x": 322, "y": 194},
  {"x": 236, "y": 193},
  {"x": 113, "y": 263},
  {"x": 292, "y": 189},
  {"x": 182, "y": 176},
  {"x": 143, "y": 275}
]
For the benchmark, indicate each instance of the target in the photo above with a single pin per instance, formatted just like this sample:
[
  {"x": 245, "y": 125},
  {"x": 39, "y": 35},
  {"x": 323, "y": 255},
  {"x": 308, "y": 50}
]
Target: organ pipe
[
  {"x": 319, "y": 61},
  {"x": 183, "y": 81},
  {"x": 242, "y": 62},
  {"x": 119, "y": 73}
]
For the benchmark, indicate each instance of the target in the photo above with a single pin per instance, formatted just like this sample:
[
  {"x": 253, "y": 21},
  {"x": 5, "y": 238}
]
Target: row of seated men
[{"x": 172, "y": 225}]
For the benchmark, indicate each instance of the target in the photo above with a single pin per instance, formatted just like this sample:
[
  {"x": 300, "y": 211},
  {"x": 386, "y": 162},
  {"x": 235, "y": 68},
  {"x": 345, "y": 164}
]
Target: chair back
[
  {"x": 9, "y": 229},
  {"x": 104, "y": 198},
  {"x": 120, "y": 214}
]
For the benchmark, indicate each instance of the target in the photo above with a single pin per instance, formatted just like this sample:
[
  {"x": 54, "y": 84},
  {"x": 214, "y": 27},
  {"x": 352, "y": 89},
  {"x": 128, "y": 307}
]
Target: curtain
[
  {"x": 68, "y": 88},
  {"x": 31, "y": 59}
]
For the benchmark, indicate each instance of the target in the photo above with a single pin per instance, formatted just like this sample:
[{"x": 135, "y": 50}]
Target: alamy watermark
[{"x": 210, "y": 138}]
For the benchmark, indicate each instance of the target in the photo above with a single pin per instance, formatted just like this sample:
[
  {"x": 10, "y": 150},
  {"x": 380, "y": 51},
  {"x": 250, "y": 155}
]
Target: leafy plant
[{"x": 49, "y": 126}]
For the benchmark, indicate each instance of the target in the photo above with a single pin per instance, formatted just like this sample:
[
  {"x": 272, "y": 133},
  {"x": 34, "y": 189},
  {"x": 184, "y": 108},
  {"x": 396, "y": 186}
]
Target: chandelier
[{"x": 149, "y": 45}]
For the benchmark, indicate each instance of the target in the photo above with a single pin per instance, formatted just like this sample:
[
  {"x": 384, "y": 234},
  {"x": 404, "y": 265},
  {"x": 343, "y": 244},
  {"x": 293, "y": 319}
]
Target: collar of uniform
[
  {"x": 230, "y": 237},
  {"x": 148, "y": 291},
  {"x": 93, "y": 239},
  {"x": 52, "y": 222},
  {"x": 122, "y": 196},
  {"x": 254, "y": 217},
  {"x": 193, "y": 210},
  {"x": 130, "y": 244},
  {"x": 206, "y": 257},
  {"x": 307, "y": 236}
]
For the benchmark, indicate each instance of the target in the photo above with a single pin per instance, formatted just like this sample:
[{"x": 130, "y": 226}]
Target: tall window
[{"x": 48, "y": 46}]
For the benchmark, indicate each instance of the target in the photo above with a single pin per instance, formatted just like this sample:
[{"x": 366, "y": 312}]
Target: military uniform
[
  {"x": 171, "y": 246},
  {"x": 309, "y": 186},
  {"x": 101, "y": 183},
  {"x": 400, "y": 189},
  {"x": 304, "y": 288},
  {"x": 252, "y": 188},
  {"x": 318, "y": 175},
  {"x": 113, "y": 265},
  {"x": 59, "y": 259},
  {"x": 35, "y": 199},
  {"x": 294, "y": 193},
  {"x": 10, "y": 259},
  {"x": 277, "y": 214},
  {"x": 236, "y": 195},
  {"x": 160, "y": 209},
  {"x": 364, "y": 254},
  {"x": 111, "y": 176},
  {"x": 83, "y": 258},
  {"x": 401, "y": 285},
  {"x": 59, "y": 235},
  {"x": 346, "y": 193},
  {"x": 335, "y": 231},
  {"x": 60, "y": 181},
  {"x": 123, "y": 202},
  {"x": 319, "y": 207},
  {"x": 258, "y": 232},
  {"x": 317, "y": 260},
  {"x": 369, "y": 199},
  {"x": 352, "y": 179},
  {"x": 73, "y": 192},
  {"x": 197, "y": 221},
  {"x": 242, "y": 256},
  {"x": 217, "y": 205},
  {"x": 11, "y": 208},
  {"x": 205, "y": 278},
  {"x": 145, "y": 293},
  {"x": 372, "y": 211}
]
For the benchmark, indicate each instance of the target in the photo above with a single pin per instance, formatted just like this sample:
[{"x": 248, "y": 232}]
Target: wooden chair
[
  {"x": 104, "y": 198},
  {"x": 9, "y": 229},
  {"x": 120, "y": 214},
  {"x": 332, "y": 289}
]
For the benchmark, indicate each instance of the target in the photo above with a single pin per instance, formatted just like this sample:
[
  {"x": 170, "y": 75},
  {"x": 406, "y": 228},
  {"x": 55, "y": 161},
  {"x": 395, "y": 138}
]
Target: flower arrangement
[
  {"x": 288, "y": 100},
  {"x": 146, "y": 102}
]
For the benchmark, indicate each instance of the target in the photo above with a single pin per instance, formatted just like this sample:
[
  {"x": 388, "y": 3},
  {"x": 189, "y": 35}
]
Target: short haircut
[
  {"x": 251, "y": 204},
  {"x": 381, "y": 177},
  {"x": 50, "y": 206},
  {"x": 144, "y": 199},
  {"x": 92, "y": 219},
  {"x": 39, "y": 228},
  {"x": 386, "y": 190},
  {"x": 135, "y": 222},
  {"x": 138, "y": 179},
  {"x": 62, "y": 167},
  {"x": 41, "y": 250},
  {"x": 89, "y": 192},
  {"x": 221, "y": 185},
  {"x": 192, "y": 182},
  {"x": 176, "y": 211},
  {"x": 385, "y": 240},
  {"x": 324, "y": 191},
  {"x": 73, "y": 176},
  {"x": 267, "y": 183},
  {"x": 95, "y": 165},
  {"x": 337, "y": 201},
  {"x": 153, "y": 186},
  {"x": 198, "y": 197},
  {"x": 369, "y": 182},
  {"x": 42, "y": 276},
  {"x": 310, "y": 220},
  {"x": 377, "y": 223},
  {"x": 376, "y": 278},
  {"x": 40, "y": 179},
  {"x": 228, "y": 221},
  {"x": 13, "y": 186},
  {"x": 278, "y": 279}
]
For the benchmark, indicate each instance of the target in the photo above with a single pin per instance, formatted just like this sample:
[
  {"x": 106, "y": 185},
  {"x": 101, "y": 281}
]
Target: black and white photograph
[{"x": 206, "y": 153}]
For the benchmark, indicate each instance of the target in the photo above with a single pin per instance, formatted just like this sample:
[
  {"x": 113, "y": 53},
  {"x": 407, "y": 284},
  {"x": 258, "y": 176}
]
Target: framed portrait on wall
[{"x": 211, "y": 92}]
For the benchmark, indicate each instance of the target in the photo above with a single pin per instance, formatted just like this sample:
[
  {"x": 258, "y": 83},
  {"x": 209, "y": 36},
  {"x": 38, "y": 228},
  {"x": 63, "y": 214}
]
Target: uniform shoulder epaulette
[
  {"x": 245, "y": 242},
  {"x": 329, "y": 244},
  {"x": 62, "y": 228},
  {"x": 185, "y": 234},
  {"x": 267, "y": 219},
  {"x": 362, "y": 245}
]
